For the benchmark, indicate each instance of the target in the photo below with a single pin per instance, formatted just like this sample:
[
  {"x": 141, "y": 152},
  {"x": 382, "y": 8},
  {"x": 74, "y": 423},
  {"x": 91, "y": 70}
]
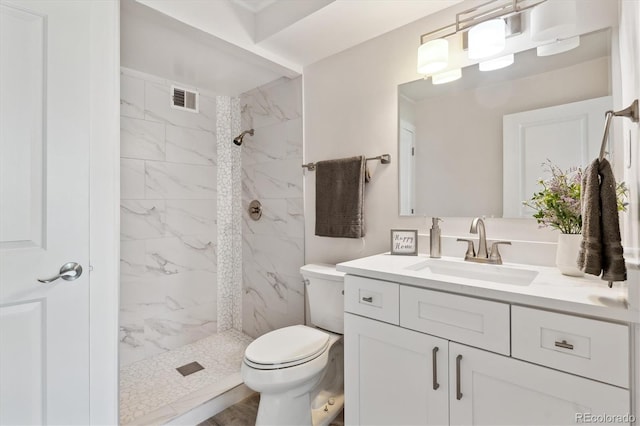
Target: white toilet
[{"x": 298, "y": 370}]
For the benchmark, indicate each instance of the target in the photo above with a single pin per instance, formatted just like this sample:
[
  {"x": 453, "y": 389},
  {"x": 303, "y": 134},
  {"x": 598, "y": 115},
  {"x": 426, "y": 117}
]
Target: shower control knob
[
  {"x": 332, "y": 401},
  {"x": 255, "y": 210}
]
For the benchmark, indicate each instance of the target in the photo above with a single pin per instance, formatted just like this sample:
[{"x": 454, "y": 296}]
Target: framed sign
[{"x": 404, "y": 241}]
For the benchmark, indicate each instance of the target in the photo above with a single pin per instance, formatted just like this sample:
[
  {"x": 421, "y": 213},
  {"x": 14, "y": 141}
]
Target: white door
[
  {"x": 407, "y": 169},
  {"x": 490, "y": 389},
  {"x": 44, "y": 211},
  {"x": 569, "y": 135},
  {"x": 393, "y": 376}
]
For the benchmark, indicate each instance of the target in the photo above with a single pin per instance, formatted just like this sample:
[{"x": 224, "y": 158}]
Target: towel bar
[
  {"x": 384, "y": 159},
  {"x": 630, "y": 112}
]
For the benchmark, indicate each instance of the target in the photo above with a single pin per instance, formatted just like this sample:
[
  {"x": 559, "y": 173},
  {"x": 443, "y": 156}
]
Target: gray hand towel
[
  {"x": 613, "y": 266},
  {"x": 590, "y": 255},
  {"x": 340, "y": 197},
  {"x": 601, "y": 249}
]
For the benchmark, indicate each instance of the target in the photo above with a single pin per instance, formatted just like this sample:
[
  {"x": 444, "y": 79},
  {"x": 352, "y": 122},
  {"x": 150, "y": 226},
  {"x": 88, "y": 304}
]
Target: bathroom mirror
[{"x": 454, "y": 160}]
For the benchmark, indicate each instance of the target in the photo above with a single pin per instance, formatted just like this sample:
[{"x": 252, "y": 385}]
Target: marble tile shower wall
[
  {"x": 168, "y": 219},
  {"x": 273, "y": 247}
]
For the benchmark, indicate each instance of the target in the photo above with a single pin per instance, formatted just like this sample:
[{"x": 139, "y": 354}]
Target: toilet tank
[{"x": 325, "y": 290}]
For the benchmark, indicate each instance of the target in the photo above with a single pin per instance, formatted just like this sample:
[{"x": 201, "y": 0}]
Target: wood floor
[{"x": 244, "y": 414}]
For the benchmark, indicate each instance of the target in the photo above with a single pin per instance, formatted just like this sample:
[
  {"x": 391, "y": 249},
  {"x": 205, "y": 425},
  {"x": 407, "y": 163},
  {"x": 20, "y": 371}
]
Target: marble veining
[
  {"x": 278, "y": 101},
  {"x": 279, "y": 218},
  {"x": 131, "y": 179},
  {"x": 190, "y": 146},
  {"x": 175, "y": 181},
  {"x": 273, "y": 247},
  {"x": 279, "y": 179},
  {"x": 168, "y": 220},
  {"x": 270, "y": 146},
  {"x": 157, "y": 107},
  {"x": 192, "y": 264},
  {"x": 142, "y": 139},
  {"x": 131, "y": 96},
  {"x": 142, "y": 219},
  {"x": 191, "y": 217}
]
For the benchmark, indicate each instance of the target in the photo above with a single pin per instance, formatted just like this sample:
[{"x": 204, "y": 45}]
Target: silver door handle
[
  {"x": 564, "y": 345},
  {"x": 434, "y": 352},
  {"x": 69, "y": 272},
  {"x": 458, "y": 385}
]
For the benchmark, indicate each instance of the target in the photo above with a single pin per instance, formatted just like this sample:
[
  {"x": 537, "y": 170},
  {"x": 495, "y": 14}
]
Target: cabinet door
[
  {"x": 490, "y": 389},
  {"x": 389, "y": 375}
]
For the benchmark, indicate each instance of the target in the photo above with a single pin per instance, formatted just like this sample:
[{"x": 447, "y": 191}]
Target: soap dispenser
[{"x": 434, "y": 249}]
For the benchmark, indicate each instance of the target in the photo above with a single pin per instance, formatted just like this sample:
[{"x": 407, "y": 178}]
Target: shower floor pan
[{"x": 152, "y": 391}]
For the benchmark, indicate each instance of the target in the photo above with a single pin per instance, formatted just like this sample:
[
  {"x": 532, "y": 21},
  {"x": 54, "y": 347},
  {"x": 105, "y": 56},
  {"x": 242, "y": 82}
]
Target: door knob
[{"x": 69, "y": 272}]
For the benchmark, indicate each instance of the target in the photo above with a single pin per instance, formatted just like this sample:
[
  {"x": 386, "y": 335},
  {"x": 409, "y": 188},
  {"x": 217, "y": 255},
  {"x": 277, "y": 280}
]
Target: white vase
[{"x": 567, "y": 254}]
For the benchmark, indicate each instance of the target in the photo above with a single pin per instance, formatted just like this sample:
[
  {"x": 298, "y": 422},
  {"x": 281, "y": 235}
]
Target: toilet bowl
[{"x": 298, "y": 370}]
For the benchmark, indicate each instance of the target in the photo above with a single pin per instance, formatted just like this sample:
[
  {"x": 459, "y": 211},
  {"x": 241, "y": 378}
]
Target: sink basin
[{"x": 477, "y": 271}]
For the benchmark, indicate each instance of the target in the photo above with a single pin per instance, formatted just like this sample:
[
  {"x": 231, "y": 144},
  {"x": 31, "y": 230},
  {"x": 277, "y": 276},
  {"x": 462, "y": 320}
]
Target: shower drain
[{"x": 190, "y": 368}]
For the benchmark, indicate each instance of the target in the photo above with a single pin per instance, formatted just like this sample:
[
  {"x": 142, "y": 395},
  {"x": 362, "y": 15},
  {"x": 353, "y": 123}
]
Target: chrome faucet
[{"x": 477, "y": 227}]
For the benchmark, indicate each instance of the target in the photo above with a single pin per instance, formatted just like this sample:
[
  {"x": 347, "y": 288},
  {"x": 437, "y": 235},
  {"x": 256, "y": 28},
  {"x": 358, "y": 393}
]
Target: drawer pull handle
[
  {"x": 367, "y": 299},
  {"x": 436, "y": 385},
  {"x": 564, "y": 345},
  {"x": 458, "y": 391}
]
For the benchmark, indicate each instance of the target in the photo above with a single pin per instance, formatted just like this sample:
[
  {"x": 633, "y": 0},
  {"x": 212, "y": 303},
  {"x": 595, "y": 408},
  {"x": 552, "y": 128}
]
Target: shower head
[{"x": 238, "y": 140}]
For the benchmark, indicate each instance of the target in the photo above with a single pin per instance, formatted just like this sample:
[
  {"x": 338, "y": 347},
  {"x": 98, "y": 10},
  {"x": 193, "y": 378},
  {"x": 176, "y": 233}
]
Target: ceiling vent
[{"x": 184, "y": 99}]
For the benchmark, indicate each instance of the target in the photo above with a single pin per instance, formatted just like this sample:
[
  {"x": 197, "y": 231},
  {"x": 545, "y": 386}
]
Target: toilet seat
[{"x": 286, "y": 347}]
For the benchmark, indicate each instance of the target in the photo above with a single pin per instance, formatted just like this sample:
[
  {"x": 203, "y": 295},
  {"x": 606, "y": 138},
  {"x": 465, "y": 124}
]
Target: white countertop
[{"x": 587, "y": 296}]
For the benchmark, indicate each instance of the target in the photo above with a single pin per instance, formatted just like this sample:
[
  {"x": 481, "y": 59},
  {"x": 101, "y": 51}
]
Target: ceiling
[
  {"x": 156, "y": 44},
  {"x": 254, "y": 6},
  {"x": 296, "y": 33}
]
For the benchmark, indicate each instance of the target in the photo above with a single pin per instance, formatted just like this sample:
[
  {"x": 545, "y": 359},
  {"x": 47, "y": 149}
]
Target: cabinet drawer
[
  {"x": 476, "y": 322},
  {"x": 372, "y": 298},
  {"x": 590, "y": 348}
]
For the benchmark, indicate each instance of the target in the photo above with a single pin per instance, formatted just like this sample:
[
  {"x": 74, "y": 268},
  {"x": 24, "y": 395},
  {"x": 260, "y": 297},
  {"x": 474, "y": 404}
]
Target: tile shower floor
[{"x": 152, "y": 391}]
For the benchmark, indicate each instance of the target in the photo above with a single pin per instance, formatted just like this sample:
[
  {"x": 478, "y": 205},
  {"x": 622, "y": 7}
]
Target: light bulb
[
  {"x": 497, "y": 63},
  {"x": 558, "y": 47},
  {"x": 553, "y": 19},
  {"x": 447, "y": 76},
  {"x": 487, "y": 38},
  {"x": 433, "y": 56}
]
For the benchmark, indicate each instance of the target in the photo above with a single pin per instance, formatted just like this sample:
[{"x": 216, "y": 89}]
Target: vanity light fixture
[
  {"x": 493, "y": 12},
  {"x": 558, "y": 46},
  {"x": 433, "y": 56},
  {"x": 446, "y": 76},
  {"x": 497, "y": 63},
  {"x": 487, "y": 38}
]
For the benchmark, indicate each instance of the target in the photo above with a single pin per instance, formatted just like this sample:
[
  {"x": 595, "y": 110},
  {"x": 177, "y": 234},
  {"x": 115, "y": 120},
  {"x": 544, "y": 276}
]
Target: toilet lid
[{"x": 289, "y": 345}]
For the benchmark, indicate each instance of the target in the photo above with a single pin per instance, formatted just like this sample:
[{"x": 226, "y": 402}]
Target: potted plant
[{"x": 557, "y": 206}]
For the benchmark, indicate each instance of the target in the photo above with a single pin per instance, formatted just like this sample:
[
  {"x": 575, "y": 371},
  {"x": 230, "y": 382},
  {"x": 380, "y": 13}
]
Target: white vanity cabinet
[
  {"x": 491, "y": 389},
  {"x": 415, "y": 356},
  {"x": 394, "y": 376}
]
